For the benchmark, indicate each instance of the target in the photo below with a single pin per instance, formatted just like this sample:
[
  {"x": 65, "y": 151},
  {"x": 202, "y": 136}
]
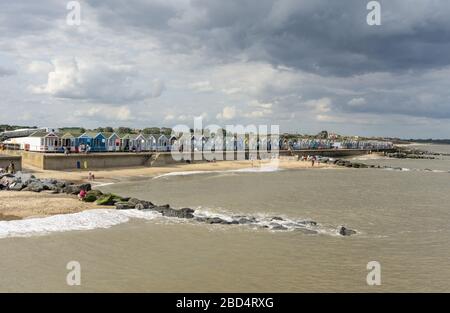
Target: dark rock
[
  {"x": 96, "y": 193},
  {"x": 75, "y": 189},
  {"x": 277, "y": 218},
  {"x": 346, "y": 231},
  {"x": 90, "y": 198},
  {"x": 124, "y": 206},
  {"x": 308, "y": 222},
  {"x": 35, "y": 186},
  {"x": 215, "y": 220},
  {"x": 144, "y": 205},
  {"x": 279, "y": 227},
  {"x": 6, "y": 181},
  {"x": 17, "y": 186},
  {"x": 61, "y": 184},
  {"x": 24, "y": 177},
  {"x": 166, "y": 210}
]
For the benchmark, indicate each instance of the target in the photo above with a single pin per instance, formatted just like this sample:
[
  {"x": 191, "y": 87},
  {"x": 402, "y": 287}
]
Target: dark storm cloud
[
  {"x": 270, "y": 59},
  {"x": 327, "y": 37}
]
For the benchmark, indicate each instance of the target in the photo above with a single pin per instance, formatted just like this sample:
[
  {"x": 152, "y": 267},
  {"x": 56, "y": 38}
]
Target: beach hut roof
[
  {"x": 69, "y": 135},
  {"x": 125, "y": 136},
  {"x": 42, "y": 134},
  {"x": 92, "y": 134},
  {"x": 135, "y": 136},
  {"x": 107, "y": 135}
]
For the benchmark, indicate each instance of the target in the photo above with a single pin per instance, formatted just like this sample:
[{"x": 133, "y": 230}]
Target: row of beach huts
[
  {"x": 50, "y": 140},
  {"x": 45, "y": 140}
]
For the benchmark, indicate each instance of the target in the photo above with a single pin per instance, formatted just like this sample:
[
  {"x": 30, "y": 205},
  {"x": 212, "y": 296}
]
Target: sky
[{"x": 305, "y": 65}]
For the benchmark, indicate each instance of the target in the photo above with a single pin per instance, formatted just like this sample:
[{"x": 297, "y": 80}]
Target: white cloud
[
  {"x": 227, "y": 113},
  {"x": 320, "y": 105},
  {"x": 201, "y": 86},
  {"x": 105, "y": 113},
  {"x": 356, "y": 102},
  {"x": 102, "y": 82},
  {"x": 39, "y": 67}
]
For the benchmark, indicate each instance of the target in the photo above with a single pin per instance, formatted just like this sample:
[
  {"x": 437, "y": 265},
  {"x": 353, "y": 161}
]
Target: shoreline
[
  {"x": 17, "y": 205},
  {"x": 117, "y": 175}
]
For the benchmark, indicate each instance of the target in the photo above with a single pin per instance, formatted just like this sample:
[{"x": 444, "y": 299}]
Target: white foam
[
  {"x": 86, "y": 220},
  {"x": 262, "y": 169}
]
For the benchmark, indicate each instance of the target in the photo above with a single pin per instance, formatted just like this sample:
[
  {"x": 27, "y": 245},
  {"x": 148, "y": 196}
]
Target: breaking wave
[
  {"x": 86, "y": 220},
  {"x": 262, "y": 169},
  {"x": 107, "y": 218}
]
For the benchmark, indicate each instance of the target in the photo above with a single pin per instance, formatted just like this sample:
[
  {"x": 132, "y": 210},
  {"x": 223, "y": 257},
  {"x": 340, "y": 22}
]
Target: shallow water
[{"x": 402, "y": 219}]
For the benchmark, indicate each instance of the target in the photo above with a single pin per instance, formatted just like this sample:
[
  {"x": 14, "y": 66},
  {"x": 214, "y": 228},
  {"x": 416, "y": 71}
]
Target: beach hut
[
  {"x": 40, "y": 141},
  {"x": 137, "y": 142},
  {"x": 113, "y": 142},
  {"x": 96, "y": 141},
  {"x": 69, "y": 141},
  {"x": 163, "y": 143},
  {"x": 172, "y": 140},
  {"x": 152, "y": 142}
]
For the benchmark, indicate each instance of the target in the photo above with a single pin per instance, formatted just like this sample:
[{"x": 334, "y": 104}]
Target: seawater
[{"x": 402, "y": 219}]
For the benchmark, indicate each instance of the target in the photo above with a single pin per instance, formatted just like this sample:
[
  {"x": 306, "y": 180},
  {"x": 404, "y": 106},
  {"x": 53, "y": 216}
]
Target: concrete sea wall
[
  {"x": 6, "y": 159},
  {"x": 48, "y": 161}
]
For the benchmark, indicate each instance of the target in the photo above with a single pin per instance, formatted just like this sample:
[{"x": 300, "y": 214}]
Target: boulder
[
  {"x": 90, "y": 198},
  {"x": 124, "y": 206},
  {"x": 109, "y": 199},
  {"x": 61, "y": 184},
  {"x": 96, "y": 193},
  {"x": 6, "y": 181},
  {"x": 75, "y": 189},
  {"x": 25, "y": 177},
  {"x": 35, "y": 186},
  {"x": 215, "y": 220},
  {"x": 346, "y": 231},
  {"x": 245, "y": 220},
  {"x": 166, "y": 210},
  {"x": 17, "y": 186},
  {"x": 144, "y": 205},
  {"x": 278, "y": 227}
]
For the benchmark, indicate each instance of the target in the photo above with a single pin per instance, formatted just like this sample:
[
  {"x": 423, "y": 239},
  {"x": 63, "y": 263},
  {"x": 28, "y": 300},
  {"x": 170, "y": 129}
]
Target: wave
[
  {"x": 86, "y": 220},
  {"x": 270, "y": 222},
  {"x": 406, "y": 169},
  {"x": 107, "y": 218},
  {"x": 262, "y": 169}
]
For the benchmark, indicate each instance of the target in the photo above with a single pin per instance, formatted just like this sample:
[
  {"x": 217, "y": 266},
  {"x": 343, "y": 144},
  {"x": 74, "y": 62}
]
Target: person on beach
[
  {"x": 313, "y": 160},
  {"x": 11, "y": 168},
  {"x": 82, "y": 194},
  {"x": 91, "y": 176}
]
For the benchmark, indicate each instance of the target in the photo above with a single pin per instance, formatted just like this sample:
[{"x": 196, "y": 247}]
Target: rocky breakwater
[
  {"x": 27, "y": 182},
  {"x": 346, "y": 163},
  {"x": 351, "y": 164}
]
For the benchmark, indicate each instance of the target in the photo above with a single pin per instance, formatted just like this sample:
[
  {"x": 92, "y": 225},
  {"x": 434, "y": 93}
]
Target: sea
[{"x": 401, "y": 215}]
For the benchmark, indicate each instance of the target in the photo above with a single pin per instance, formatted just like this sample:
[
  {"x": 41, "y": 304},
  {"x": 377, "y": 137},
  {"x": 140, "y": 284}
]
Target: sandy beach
[
  {"x": 19, "y": 205},
  {"x": 24, "y": 204},
  {"x": 105, "y": 176}
]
